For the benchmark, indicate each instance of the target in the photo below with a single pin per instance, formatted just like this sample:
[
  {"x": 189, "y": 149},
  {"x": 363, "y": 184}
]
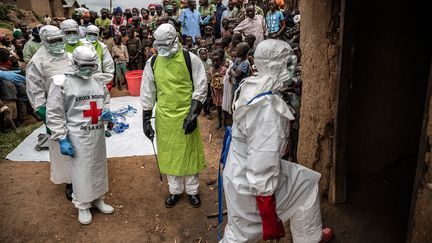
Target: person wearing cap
[
  {"x": 117, "y": 21},
  {"x": 172, "y": 19},
  {"x": 71, "y": 32},
  {"x": 180, "y": 92},
  {"x": 32, "y": 46},
  {"x": 76, "y": 108},
  {"x": 51, "y": 59}
]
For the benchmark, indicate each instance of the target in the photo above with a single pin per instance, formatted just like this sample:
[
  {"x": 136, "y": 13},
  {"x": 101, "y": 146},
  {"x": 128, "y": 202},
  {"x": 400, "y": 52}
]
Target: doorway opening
[{"x": 382, "y": 91}]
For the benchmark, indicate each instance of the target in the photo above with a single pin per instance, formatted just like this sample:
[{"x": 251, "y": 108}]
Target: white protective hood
[
  {"x": 166, "y": 40},
  {"x": 272, "y": 59}
]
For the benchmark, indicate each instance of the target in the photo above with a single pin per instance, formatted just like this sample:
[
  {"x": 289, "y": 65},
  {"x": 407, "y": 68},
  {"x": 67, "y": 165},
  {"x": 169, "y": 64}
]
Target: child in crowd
[
  {"x": 203, "y": 55},
  {"x": 107, "y": 39},
  {"x": 188, "y": 43},
  {"x": 241, "y": 66},
  {"x": 208, "y": 32},
  {"x": 198, "y": 38},
  {"x": 210, "y": 43},
  {"x": 250, "y": 39},
  {"x": 149, "y": 49},
  {"x": 121, "y": 57},
  {"x": 217, "y": 73},
  {"x": 227, "y": 92},
  {"x": 124, "y": 36},
  {"x": 202, "y": 43},
  {"x": 133, "y": 45},
  {"x": 231, "y": 28},
  {"x": 225, "y": 29}
]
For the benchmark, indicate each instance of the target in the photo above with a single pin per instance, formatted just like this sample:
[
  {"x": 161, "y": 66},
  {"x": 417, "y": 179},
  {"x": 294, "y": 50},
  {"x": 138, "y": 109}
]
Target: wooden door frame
[
  {"x": 338, "y": 172},
  {"x": 421, "y": 157}
]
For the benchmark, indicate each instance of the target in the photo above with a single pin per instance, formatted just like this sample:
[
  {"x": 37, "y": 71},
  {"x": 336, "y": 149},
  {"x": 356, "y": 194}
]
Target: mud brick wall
[{"x": 319, "y": 74}]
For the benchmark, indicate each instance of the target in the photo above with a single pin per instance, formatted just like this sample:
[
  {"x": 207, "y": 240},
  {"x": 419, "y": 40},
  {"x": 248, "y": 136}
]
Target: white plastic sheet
[{"x": 131, "y": 142}]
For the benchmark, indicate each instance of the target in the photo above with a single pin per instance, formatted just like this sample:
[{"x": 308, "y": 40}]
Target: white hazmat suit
[
  {"x": 254, "y": 167},
  {"x": 180, "y": 95},
  {"x": 74, "y": 109},
  {"x": 44, "y": 64},
  {"x": 106, "y": 61}
]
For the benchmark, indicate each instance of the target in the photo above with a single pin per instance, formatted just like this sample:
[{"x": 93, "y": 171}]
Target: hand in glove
[
  {"x": 106, "y": 115},
  {"x": 273, "y": 228},
  {"x": 66, "y": 147},
  {"x": 41, "y": 113},
  {"x": 191, "y": 123},
  {"x": 12, "y": 76},
  {"x": 148, "y": 130}
]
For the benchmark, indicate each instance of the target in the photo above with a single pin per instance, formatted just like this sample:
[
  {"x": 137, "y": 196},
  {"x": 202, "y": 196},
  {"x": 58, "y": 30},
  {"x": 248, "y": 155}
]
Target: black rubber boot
[
  {"x": 69, "y": 192},
  {"x": 171, "y": 200},
  {"x": 195, "y": 200}
]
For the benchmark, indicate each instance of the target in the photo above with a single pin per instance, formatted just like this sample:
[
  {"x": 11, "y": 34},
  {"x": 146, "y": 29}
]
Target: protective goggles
[
  {"x": 71, "y": 32},
  {"x": 91, "y": 66},
  {"x": 164, "y": 43},
  {"x": 92, "y": 33},
  {"x": 55, "y": 39}
]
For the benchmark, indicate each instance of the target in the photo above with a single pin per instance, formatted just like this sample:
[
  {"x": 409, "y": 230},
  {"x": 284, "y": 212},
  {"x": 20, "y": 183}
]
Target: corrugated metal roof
[{"x": 69, "y": 3}]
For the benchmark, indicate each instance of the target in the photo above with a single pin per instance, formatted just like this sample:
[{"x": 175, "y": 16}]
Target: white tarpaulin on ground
[{"x": 129, "y": 143}]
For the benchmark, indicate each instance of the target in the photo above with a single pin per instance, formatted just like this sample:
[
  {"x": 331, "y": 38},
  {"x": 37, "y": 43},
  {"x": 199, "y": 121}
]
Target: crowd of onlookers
[{"x": 224, "y": 37}]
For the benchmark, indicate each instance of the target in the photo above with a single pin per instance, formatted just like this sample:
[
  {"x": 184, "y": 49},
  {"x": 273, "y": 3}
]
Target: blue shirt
[
  {"x": 243, "y": 67},
  {"x": 190, "y": 23},
  {"x": 273, "y": 21}
]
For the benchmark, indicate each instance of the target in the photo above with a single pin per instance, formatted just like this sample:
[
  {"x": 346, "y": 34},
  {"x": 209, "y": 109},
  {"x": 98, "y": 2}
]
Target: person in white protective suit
[
  {"x": 75, "y": 109},
  {"x": 71, "y": 31},
  {"x": 106, "y": 61},
  {"x": 179, "y": 81},
  {"x": 51, "y": 59},
  {"x": 261, "y": 190}
]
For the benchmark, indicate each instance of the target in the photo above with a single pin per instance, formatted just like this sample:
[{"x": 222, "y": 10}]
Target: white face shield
[
  {"x": 166, "y": 48},
  {"x": 56, "y": 44},
  {"x": 85, "y": 61},
  {"x": 166, "y": 40},
  {"x": 275, "y": 58},
  {"x": 70, "y": 30},
  {"x": 92, "y": 34},
  {"x": 53, "y": 39},
  {"x": 92, "y": 37}
]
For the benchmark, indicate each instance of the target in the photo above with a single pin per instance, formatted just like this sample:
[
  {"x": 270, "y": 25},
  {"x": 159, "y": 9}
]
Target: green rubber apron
[
  {"x": 99, "y": 51},
  {"x": 178, "y": 154},
  {"x": 70, "y": 48}
]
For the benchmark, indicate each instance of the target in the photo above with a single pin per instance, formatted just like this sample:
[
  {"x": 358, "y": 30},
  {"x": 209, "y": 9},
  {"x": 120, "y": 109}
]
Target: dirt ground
[{"x": 34, "y": 209}]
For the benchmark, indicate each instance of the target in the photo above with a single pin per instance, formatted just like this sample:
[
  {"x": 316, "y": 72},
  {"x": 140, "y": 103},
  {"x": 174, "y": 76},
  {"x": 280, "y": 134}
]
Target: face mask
[
  {"x": 163, "y": 51},
  {"x": 92, "y": 38},
  {"x": 56, "y": 48},
  {"x": 85, "y": 73},
  {"x": 72, "y": 39}
]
